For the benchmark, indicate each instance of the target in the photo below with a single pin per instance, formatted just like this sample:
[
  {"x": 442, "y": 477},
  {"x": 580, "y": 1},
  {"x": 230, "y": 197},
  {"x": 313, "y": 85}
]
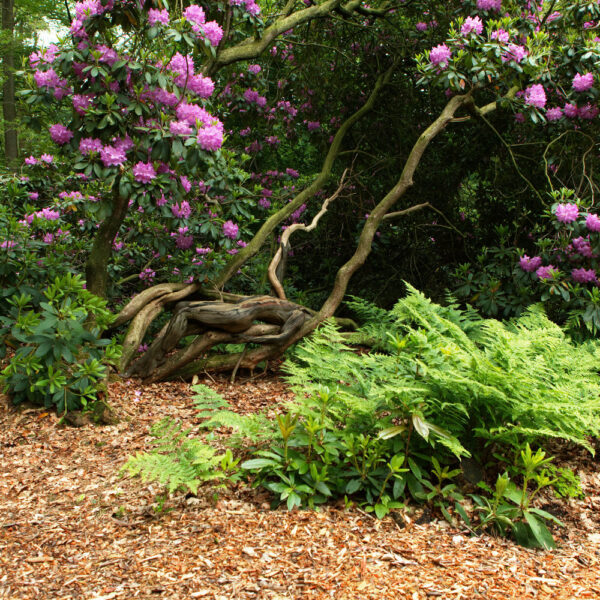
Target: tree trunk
[
  {"x": 96, "y": 268},
  {"x": 8, "y": 92}
]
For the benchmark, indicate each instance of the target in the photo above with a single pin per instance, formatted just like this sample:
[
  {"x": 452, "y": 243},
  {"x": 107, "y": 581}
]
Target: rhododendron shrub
[
  {"x": 562, "y": 271},
  {"x": 141, "y": 119}
]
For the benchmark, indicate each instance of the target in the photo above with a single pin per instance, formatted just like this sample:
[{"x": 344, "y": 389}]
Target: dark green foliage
[{"x": 61, "y": 358}]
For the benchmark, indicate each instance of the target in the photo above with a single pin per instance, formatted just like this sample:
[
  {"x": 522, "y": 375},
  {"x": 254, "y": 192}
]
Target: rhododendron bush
[{"x": 213, "y": 127}]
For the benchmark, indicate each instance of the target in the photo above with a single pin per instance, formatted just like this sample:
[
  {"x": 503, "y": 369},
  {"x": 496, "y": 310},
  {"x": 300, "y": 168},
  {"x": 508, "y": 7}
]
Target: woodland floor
[{"x": 71, "y": 528}]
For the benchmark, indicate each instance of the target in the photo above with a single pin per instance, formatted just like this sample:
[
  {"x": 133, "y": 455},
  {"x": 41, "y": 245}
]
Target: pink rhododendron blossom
[
  {"x": 89, "y": 145},
  {"x": 195, "y": 14},
  {"x": 203, "y": 86},
  {"x": 500, "y": 36},
  {"x": 421, "y": 26},
  {"x": 190, "y": 113},
  {"x": 112, "y": 157},
  {"x": 47, "y": 158},
  {"x": 31, "y": 161},
  {"x": 583, "y": 275},
  {"x": 183, "y": 241},
  {"x": 7, "y": 244},
  {"x": 592, "y": 222},
  {"x": 547, "y": 272},
  {"x": 567, "y": 213},
  {"x": 144, "y": 172},
  {"x": 587, "y": 111},
  {"x": 554, "y": 114},
  {"x": 570, "y": 110},
  {"x": 81, "y": 103},
  {"x": 514, "y": 52},
  {"x": 210, "y": 137},
  {"x": 582, "y": 83},
  {"x": 472, "y": 25},
  {"x": 158, "y": 16},
  {"x": 60, "y": 134},
  {"x": 230, "y": 230},
  {"x": 440, "y": 55},
  {"x": 582, "y": 246},
  {"x": 213, "y": 32},
  {"x": 254, "y": 69},
  {"x": 107, "y": 55},
  {"x": 252, "y": 8},
  {"x": 125, "y": 144},
  {"x": 185, "y": 183},
  {"x": 535, "y": 95},
  {"x": 530, "y": 264},
  {"x": 182, "y": 211},
  {"x": 180, "y": 128},
  {"x": 489, "y": 4},
  {"x": 313, "y": 125}
]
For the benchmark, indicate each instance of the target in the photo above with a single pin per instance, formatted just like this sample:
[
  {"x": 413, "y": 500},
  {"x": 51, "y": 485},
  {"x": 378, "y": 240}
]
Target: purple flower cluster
[
  {"x": 567, "y": 213},
  {"x": 584, "y": 275},
  {"x": 144, "y": 172},
  {"x": 440, "y": 55},
  {"x": 90, "y": 145},
  {"x": 210, "y": 137},
  {"x": 489, "y": 5},
  {"x": 230, "y": 230},
  {"x": 112, "y": 156},
  {"x": 530, "y": 264},
  {"x": 582, "y": 246},
  {"x": 158, "y": 16},
  {"x": 60, "y": 134},
  {"x": 582, "y": 83},
  {"x": 472, "y": 25},
  {"x": 547, "y": 272},
  {"x": 535, "y": 95},
  {"x": 181, "y": 211},
  {"x": 592, "y": 222}
]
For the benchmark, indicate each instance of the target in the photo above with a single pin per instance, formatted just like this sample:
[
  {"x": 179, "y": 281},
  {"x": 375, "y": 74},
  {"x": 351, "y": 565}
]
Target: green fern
[
  {"x": 217, "y": 412},
  {"x": 176, "y": 462},
  {"x": 508, "y": 383},
  {"x": 207, "y": 400}
]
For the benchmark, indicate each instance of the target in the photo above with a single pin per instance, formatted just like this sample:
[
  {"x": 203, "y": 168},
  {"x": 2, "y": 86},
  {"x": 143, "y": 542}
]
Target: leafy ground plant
[
  {"x": 510, "y": 511},
  {"x": 61, "y": 359}
]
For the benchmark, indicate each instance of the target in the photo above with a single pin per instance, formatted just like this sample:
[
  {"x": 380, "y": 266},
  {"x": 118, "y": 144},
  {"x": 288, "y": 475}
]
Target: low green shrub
[{"x": 60, "y": 360}]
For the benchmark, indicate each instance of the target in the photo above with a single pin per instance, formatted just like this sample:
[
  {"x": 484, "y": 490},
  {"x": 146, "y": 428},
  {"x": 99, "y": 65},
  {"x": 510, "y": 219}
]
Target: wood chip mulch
[{"x": 72, "y": 528}]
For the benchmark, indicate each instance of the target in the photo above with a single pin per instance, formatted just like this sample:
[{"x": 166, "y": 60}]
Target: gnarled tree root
[{"x": 213, "y": 323}]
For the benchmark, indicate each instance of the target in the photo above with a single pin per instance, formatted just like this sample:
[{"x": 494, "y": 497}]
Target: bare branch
[{"x": 285, "y": 238}]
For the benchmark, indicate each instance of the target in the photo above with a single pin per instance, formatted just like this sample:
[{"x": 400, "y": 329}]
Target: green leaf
[
  {"x": 353, "y": 486},
  {"x": 540, "y": 531},
  {"x": 258, "y": 463}
]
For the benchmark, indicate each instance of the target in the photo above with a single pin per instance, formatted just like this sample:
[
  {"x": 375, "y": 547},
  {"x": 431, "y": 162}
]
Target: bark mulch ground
[{"x": 72, "y": 528}]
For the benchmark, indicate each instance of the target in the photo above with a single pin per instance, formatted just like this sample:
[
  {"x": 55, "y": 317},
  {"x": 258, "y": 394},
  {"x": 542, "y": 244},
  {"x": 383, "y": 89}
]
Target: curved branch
[
  {"x": 305, "y": 195},
  {"x": 251, "y": 48},
  {"x": 378, "y": 213},
  {"x": 285, "y": 237}
]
